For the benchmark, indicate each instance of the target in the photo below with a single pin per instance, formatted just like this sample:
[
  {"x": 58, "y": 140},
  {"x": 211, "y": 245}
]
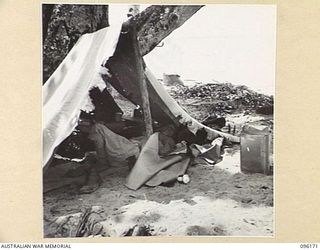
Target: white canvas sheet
[
  {"x": 177, "y": 110},
  {"x": 66, "y": 91}
]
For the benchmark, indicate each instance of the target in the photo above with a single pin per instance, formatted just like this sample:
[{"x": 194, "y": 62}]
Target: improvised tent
[{"x": 103, "y": 54}]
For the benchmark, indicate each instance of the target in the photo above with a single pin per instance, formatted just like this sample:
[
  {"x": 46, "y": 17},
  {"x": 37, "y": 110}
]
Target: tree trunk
[
  {"x": 47, "y": 10},
  {"x": 158, "y": 21},
  {"x": 66, "y": 24}
]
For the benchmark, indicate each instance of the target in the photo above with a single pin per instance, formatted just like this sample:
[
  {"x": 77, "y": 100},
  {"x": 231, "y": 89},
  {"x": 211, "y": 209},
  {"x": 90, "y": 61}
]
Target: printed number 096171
[{"x": 309, "y": 246}]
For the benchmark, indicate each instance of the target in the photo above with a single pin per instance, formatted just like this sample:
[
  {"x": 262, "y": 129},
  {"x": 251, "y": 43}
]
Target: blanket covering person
[
  {"x": 160, "y": 163},
  {"x": 112, "y": 149}
]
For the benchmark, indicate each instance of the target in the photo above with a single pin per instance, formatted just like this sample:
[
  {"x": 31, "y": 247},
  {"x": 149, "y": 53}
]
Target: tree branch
[{"x": 157, "y": 21}]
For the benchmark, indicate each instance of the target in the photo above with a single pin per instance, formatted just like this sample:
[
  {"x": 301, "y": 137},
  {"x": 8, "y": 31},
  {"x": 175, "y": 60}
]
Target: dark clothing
[{"x": 105, "y": 106}]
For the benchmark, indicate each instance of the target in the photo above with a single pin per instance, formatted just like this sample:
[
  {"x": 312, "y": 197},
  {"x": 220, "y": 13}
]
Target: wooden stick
[{"x": 143, "y": 85}]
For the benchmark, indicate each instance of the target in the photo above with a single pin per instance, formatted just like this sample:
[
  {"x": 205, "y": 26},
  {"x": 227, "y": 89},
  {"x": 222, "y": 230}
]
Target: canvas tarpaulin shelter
[
  {"x": 66, "y": 91},
  {"x": 163, "y": 107}
]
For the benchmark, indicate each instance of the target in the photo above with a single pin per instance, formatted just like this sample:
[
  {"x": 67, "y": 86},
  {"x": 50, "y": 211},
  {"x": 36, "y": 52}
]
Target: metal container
[{"x": 255, "y": 149}]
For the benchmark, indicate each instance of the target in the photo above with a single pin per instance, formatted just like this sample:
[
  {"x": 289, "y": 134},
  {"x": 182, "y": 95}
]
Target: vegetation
[{"x": 63, "y": 24}]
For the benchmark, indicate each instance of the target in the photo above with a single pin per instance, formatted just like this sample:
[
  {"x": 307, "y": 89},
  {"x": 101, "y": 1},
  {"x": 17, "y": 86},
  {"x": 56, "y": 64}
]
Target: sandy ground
[{"x": 218, "y": 201}]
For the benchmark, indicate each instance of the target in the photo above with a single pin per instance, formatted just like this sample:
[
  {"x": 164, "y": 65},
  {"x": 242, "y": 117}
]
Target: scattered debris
[
  {"x": 190, "y": 202},
  {"x": 199, "y": 230},
  {"x": 225, "y": 98},
  {"x": 89, "y": 224},
  {"x": 246, "y": 200},
  {"x": 139, "y": 230}
]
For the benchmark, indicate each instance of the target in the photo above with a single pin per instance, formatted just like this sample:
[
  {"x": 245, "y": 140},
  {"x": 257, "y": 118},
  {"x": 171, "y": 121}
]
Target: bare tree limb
[{"x": 158, "y": 21}]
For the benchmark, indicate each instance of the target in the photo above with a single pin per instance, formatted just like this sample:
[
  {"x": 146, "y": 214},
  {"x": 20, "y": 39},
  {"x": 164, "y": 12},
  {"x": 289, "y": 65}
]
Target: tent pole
[{"x": 142, "y": 85}]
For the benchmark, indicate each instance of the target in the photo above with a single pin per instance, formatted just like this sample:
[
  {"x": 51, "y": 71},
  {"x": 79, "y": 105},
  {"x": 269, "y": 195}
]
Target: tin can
[{"x": 255, "y": 149}]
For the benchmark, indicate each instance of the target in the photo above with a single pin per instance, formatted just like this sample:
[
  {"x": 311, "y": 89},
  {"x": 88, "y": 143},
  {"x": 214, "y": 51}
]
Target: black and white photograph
[{"x": 158, "y": 120}]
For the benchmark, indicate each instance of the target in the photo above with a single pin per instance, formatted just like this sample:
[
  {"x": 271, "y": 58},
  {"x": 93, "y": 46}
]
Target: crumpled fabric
[
  {"x": 149, "y": 163},
  {"x": 153, "y": 169},
  {"x": 112, "y": 148},
  {"x": 212, "y": 151}
]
